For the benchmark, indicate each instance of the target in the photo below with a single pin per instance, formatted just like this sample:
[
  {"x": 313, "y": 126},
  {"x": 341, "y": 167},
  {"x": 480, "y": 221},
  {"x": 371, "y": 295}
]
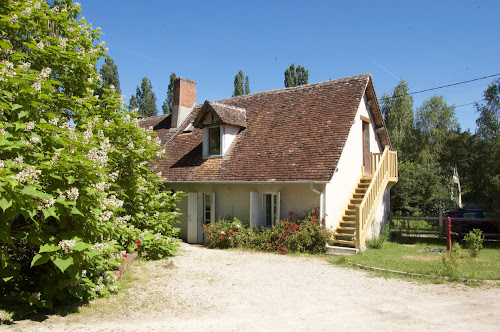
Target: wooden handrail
[{"x": 385, "y": 173}]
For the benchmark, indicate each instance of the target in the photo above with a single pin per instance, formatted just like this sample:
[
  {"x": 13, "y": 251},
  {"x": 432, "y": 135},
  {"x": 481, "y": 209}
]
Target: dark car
[{"x": 466, "y": 220}]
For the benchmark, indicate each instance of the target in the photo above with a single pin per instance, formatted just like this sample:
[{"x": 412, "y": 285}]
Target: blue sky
[{"x": 426, "y": 43}]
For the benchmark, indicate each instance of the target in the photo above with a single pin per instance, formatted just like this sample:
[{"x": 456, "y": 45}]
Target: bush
[
  {"x": 377, "y": 241},
  {"x": 474, "y": 242},
  {"x": 77, "y": 184},
  {"x": 306, "y": 235}
]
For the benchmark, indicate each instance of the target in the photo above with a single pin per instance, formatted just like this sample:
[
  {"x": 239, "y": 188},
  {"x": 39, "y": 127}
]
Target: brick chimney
[{"x": 184, "y": 100}]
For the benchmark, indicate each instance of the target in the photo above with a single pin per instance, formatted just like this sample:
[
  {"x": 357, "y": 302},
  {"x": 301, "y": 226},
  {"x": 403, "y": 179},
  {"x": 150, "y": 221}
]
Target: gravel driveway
[{"x": 226, "y": 290}]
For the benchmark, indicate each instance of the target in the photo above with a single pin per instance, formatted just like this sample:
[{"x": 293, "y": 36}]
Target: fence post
[{"x": 440, "y": 224}]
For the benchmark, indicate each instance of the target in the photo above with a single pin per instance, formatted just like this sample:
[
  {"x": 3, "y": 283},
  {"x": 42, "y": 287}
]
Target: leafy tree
[
  {"x": 247, "y": 86},
  {"x": 488, "y": 123},
  {"x": 434, "y": 121},
  {"x": 296, "y": 76},
  {"x": 145, "y": 99},
  {"x": 238, "y": 84},
  {"x": 168, "y": 104},
  {"x": 72, "y": 197},
  {"x": 110, "y": 77},
  {"x": 397, "y": 109},
  {"x": 421, "y": 189}
]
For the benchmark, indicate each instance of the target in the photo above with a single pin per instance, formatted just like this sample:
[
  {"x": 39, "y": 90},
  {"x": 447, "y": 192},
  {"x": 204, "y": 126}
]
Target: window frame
[{"x": 206, "y": 141}]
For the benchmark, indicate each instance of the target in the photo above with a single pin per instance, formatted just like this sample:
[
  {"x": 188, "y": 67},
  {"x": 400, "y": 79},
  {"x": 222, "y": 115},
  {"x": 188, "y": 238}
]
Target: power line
[{"x": 453, "y": 84}]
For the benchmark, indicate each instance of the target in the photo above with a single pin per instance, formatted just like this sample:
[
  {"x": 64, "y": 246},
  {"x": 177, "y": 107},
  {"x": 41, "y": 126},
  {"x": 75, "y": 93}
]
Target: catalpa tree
[{"x": 77, "y": 180}]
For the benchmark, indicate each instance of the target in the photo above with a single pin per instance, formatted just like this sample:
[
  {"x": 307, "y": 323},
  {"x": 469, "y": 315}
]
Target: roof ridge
[
  {"x": 300, "y": 87},
  {"x": 235, "y": 108},
  {"x": 153, "y": 117}
]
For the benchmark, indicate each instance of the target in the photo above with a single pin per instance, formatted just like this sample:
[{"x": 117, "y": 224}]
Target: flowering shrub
[
  {"x": 306, "y": 235},
  {"x": 77, "y": 185}
]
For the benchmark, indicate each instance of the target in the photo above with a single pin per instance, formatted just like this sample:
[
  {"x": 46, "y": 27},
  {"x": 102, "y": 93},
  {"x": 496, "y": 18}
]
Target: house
[{"x": 260, "y": 156}]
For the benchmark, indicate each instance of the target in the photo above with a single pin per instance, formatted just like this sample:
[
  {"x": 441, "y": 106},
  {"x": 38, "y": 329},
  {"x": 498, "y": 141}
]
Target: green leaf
[
  {"x": 7, "y": 278},
  {"x": 35, "y": 193},
  {"x": 5, "y": 236},
  {"x": 61, "y": 263},
  {"x": 74, "y": 210},
  {"x": 49, "y": 248},
  {"x": 21, "y": 114},
  {"x": 4, "y": 204},
  {"x": 40, "y": 259},
  {"x": 80, "y": 246},
  {"x": 5, "y": 44}
]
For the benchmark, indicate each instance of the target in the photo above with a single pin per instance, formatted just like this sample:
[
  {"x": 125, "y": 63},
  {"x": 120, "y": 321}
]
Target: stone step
[{"x": 344, "y": 251}]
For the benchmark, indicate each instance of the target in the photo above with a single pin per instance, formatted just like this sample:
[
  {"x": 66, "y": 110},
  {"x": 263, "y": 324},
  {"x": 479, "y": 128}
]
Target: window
[
  {"x": 214, "y": 141},
  {"x": 271, "y": 209},
  {"x": 207, "y": 208}
]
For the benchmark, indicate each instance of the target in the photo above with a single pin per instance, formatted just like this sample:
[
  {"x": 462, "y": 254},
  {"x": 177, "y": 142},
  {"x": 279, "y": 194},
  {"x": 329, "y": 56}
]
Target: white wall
[
  {"x": 340, "y": 188},
  {"x": 233, "y": 200}
]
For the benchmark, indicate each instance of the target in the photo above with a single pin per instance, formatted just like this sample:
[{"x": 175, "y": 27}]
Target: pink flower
[
  {"x": 125, "y": 255},
  {"x": 138, "y": 243}
]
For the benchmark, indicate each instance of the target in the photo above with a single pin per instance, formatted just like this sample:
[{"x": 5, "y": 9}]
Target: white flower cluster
[
  {"x": 29, "y": 126},
  {"x": 84, "y": 273},
  {"x": 37, "y": 5},
  {"x": 122, "y": 220},
  {"x": 111, "y": 201},
  {"x": 2, "y": 132},
  {"x": 71, "y": 194},
  {"x": 100, "y": 186},
  {"x": 2, "y": 164},
  {"x": 98, "y": 156},
  {"x": 142, "y": 189},
  {"x": 32, "y": 142},
  {"x": 106, "y": 123},
  {"x": 25, "y": 66},
  {"x": 105, "y": 216},
  {"x": 37, "y": 295},
  {"x": 62, "y": 42},
  {"x": 28, "y": 175},
  {"x": 87, "y": 135},
  {"x": 54, "y": 121},
  {"x": 55, "y": 9},
  {"x": 98, "y": 288},
  {"x": 157, "y": 215},
  {"x": 8, "y": 71},
  {"x": 19, "y": 161},
  {"x": 44, "y": 74},
  {"x": 113, "y": 288},
  {"x": 55, "y": 158},
  {"x": 130, "y": 145},
  {"x": 157, "y": 236},
  {"x": 112, "y": 88},
  {"x": 26, "y": 11},
  {"x": 13, "y": 19},
  {"x": 113, "y": 176},
  {"x": 40, "y": 45},
  {"x": 100, "y": 246},
  {"x": 105, "y": 145},
  {"x": 46, "y": 203},
  {"x": 67, "y": 246}
]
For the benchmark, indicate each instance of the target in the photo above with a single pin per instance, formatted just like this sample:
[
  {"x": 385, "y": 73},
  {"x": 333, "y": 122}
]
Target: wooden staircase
[
  {"x": 345, "y": 234},
  {"x": 366, "y": 197}
]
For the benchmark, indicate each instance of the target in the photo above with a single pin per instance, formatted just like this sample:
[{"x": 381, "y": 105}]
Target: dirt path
[{"x": 218, "y": 290}]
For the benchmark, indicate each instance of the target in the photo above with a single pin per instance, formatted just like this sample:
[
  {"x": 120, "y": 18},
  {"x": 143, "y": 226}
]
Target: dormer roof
[{"x": 217, "y": 113}]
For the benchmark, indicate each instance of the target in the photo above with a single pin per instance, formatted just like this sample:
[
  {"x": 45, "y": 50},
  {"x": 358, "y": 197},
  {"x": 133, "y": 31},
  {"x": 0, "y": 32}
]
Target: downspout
[{"x": 321, "y": 201}]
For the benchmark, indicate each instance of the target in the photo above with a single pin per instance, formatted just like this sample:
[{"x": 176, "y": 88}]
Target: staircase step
[
  {"x": 353, "y": 229},
  {"x": 356, "y": 201},
  {"x": 351, "y": 243},
  {"x": 358, "y": 195},
  {"x": 350, "y": 235},
  {"x": 349, "y": 217},
  {"x": 336, "y": 250},
  {"x": 347, "y": 223}
]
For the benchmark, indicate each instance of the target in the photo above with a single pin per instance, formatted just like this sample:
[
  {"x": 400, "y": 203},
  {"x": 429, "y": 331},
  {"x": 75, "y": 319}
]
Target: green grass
[{"x": 413, "y": 258}]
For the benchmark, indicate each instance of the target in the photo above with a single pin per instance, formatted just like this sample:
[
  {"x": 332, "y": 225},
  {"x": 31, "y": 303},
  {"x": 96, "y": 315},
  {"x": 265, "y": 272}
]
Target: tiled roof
[
  {"x": 292, "y": 134},
  {"x": 225, "y": 114}
]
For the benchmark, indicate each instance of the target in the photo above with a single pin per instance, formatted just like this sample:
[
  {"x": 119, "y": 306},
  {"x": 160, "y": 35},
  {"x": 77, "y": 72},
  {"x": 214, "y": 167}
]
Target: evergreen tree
[
  {"x": 398, "y": 115},
  {"x": 238, "y": 84},
  {"x": 168, "y": 104},
  {"x": 247, "y": 86},
  {"x": 296, "y": 76},
  {"x": 110, "y": 77},
  {"x": 145, "y": 99}
]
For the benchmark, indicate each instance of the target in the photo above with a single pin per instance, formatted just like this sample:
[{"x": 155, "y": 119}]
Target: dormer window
[
  {"x": 220, "y": 123},
  {"x": 214, "y": 141}
]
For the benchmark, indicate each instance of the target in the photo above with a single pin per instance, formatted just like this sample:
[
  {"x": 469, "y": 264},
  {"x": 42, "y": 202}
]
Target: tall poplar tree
[
  {"x": 168, "y": 104},
  {"x": 110, "y": 77},
  {"x": 296, "y": 76},
  {"x": 238, "y": 84},
  {"x": 145, "y": 99},
  {"x": 247, "y": 86}
]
